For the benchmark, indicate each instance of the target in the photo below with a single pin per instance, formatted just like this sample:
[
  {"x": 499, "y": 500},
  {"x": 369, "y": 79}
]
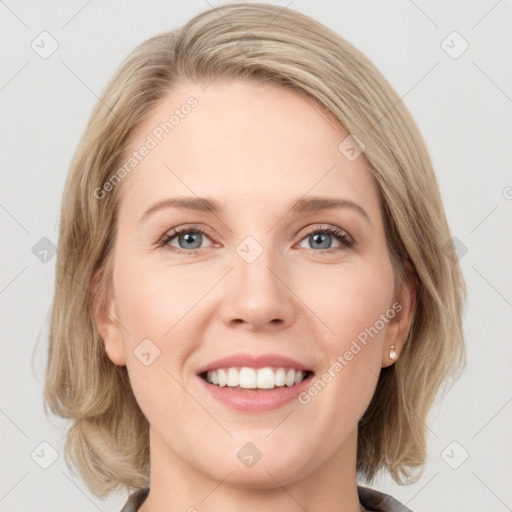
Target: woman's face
[{"x": 266, "y": 278}]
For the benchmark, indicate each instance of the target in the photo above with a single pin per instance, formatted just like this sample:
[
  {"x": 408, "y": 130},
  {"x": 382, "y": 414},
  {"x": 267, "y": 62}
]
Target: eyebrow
[{"x": 309, "y": 204}]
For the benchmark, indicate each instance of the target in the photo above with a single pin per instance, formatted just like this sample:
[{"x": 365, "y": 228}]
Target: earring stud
[{"x": 392, "y": 352}]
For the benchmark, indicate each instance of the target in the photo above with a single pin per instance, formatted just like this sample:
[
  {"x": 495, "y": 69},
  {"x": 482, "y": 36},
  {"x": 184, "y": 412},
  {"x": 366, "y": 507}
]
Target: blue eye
[
  {"x": 324, "y": 235},
  {"x": 189, "y": 239}
]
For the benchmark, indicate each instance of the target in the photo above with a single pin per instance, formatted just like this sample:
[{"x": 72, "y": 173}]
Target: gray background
[{"x": 463, "y": 107}]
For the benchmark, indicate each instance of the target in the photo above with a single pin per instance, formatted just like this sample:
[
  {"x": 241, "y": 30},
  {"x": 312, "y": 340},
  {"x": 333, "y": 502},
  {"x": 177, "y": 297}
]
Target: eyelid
[
  {"x": 163, "y": 242},
  {"x": 339, "y": 233},
  {"x": 324, "y": 227}
]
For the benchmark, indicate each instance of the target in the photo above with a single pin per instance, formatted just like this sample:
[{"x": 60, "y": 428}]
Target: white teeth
[
  {"x": 247, "y": 378},
  {"x": 232, "y": 377},
  {"x": 251, "y": 378},
  {"x": 222, "y": 377},
  {"x": 266, "y": 379},
  {"x": 279, "y": 377},
  {"x": 290, "y": 378}
]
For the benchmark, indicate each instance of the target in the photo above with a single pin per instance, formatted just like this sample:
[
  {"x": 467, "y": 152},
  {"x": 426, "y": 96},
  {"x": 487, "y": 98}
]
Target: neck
[{"x": 176, "y": 485}]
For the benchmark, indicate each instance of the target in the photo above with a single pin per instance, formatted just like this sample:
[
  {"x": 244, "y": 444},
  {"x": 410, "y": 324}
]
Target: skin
[{"x": 254, "y": 148}]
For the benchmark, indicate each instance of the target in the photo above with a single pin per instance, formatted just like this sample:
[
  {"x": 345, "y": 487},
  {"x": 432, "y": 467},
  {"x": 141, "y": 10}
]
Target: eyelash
[{"x": 341, "y": 235}]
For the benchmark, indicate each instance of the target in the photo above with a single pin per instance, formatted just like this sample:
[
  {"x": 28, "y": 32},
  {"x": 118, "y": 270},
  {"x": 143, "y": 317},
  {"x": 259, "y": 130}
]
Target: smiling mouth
[{"x": 252, "y": 379}]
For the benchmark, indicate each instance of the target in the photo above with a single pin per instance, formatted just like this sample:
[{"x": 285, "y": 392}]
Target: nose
[{"x": 257, "y": 296}]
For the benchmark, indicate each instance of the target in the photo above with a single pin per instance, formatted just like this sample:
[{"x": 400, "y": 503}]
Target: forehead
[{"x": 241, "y": 141}]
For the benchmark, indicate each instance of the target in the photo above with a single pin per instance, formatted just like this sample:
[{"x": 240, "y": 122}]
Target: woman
[{"x": 255, "y": 306}]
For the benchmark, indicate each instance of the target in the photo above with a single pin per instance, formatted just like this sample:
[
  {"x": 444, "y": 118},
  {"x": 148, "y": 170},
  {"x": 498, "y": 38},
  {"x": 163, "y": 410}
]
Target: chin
[
  {"x": 261, "y": 476},
  {"x": 272, "y": 469}
]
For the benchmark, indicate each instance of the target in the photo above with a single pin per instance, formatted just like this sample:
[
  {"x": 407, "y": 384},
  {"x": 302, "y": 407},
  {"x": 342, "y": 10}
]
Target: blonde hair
[{"x": 108, "y": 440}]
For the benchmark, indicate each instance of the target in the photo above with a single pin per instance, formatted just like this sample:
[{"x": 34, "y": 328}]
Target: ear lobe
[
  {"x": 105, "y": 319},
  {"x": 399, "y": 327}
]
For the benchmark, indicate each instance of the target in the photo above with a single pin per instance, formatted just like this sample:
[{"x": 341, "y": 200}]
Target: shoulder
[
  {"x": 371, "y": 499},
  {"x": 377, "y": 501},
  {"x": 135, "y": 500}
]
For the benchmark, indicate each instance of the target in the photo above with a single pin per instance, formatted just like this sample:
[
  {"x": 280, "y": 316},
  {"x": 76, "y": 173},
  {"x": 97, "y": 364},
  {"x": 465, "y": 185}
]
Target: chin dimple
[{"x": 255, "y": 378}]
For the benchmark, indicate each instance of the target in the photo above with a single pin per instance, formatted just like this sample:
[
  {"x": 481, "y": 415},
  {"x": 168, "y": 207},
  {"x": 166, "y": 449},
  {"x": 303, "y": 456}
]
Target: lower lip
[{"x": 256, "y": 399}]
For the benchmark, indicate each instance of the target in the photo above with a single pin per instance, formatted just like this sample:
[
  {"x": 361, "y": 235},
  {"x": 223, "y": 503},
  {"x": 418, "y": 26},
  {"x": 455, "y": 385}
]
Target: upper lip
[{"x": 254, "y": 361}]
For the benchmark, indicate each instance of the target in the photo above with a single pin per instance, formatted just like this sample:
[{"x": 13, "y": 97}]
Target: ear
[
  {"x": 404, "y": 307},
  {"x": 105, "y": 319}
]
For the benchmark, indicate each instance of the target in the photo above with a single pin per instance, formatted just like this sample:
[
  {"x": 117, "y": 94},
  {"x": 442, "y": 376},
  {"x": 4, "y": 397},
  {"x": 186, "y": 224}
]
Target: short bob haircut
[{"x": 109, "y": 437}]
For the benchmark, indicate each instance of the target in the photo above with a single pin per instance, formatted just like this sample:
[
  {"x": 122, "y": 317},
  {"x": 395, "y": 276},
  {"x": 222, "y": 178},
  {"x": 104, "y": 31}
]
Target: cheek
[
  {"x": 357, "y": 307},
  {"x": 154, "y": 307},
  {"x": 151, "y": 299},
  {"x": 350, "y": 300}
]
